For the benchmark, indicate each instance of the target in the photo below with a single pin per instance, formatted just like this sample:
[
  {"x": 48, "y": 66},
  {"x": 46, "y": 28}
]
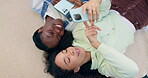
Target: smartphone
[
  {"x": 64, "y": 6},
  {"x": 77, "y": 15}
]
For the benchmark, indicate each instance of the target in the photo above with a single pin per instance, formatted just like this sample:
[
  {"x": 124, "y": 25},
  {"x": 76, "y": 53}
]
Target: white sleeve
[
  {"x": 37, "y": 5},
  {"x": 51, "y": 11}
]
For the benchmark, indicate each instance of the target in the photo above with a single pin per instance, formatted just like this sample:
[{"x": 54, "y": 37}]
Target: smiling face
[
  {"x": 52, "y": 32},
  {"x": 71, "y": 58}
]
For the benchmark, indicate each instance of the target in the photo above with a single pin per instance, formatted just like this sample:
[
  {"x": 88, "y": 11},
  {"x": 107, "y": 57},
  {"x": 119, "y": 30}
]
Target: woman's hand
[
  {"x": 92, "y": 6},
  {"x": 77, "y": 3},
  {"x": 91, "y": 33},
  {"x": 55, "y": 2}
]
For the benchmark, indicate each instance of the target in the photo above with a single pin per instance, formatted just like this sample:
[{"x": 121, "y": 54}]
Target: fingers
[
  {"x": 91, "y": 32},
  {"x": 55, "y": 2},
  {"x": 92, "y": 15},
  {"x": 86, "y": 24},
  {"x": 94, "y": 27},
  {"x": 84, "y": 9},
  {"x": 92, "y": 22},
  {"x": 72, "y": 1},
  {"x": 77, "y": 3},
  {"x": 89, "y": 27},
  {"x": 97, "y": 16},
  {"x": 89, "y": 14}
]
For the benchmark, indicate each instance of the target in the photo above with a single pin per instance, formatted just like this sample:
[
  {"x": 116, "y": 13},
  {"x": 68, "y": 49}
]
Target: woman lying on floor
[
  {"x": 88, "y": 65},
  {"x": 88, "y": 73},
  {"x": 103, "y": 48}
]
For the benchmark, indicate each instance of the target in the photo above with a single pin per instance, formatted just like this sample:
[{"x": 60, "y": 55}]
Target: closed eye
[
  {"x": 68, "y": 60},
  {"x": 65, "y": 61}
]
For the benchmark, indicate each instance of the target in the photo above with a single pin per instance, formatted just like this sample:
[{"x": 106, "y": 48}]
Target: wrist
[
  {"x": 95, "y": 44},
  {"x": 97, "y": 1}
]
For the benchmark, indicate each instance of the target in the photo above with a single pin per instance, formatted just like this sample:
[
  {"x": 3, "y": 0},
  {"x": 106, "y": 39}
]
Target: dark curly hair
[
  {"x": 67, "y": 38},
  {"x": 57, "y": 72}
]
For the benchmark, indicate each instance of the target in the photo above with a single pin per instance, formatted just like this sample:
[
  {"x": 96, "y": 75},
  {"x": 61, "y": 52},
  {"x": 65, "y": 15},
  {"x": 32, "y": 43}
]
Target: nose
[
  {"x": 72, "y": 53},
  {"x": 57, "y": 30}
]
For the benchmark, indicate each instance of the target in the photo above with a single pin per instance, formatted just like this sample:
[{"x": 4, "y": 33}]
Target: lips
[{"x": 78, "y": 51}]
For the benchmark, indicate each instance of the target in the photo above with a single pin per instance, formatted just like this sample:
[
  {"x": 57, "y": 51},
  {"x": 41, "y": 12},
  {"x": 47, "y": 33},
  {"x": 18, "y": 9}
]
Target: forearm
[
  {"x": 116, "y": 64},
  {"x": 98, "y": 1},
  {"x": 37, "y": 5},
  {"x": 104, "y": 8},
  {"x": 95, "y": 44}
]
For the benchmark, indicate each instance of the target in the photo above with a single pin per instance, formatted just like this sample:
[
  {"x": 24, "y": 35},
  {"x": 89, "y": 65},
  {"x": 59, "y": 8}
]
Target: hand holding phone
[{"x": 78, "y": 16}]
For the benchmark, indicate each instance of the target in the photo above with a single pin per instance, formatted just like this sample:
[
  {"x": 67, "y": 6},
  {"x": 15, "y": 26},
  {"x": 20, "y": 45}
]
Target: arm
[
  {"x": 37, "y": 5},
  {"x": 77, "y": 3},
  {"x": 115, "y": 63},
  {"x": 40, "y": 7},
  {"x": 104, "y": 8},
  {"x": 110, "y": 62}
]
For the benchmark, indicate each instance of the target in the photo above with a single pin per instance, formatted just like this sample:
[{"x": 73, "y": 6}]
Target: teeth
[
  {"x": 58, "y": 25},
  {"x": 76, "y": 50}
]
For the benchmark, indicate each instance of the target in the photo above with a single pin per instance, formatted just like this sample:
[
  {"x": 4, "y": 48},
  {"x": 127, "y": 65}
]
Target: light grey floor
[
  {"x": 139, "y": 51},
  {"x": 19, "y": 58}
]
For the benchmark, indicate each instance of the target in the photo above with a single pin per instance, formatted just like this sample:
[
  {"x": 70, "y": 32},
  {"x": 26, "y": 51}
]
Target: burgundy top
[{"x": 136, "y": 11}]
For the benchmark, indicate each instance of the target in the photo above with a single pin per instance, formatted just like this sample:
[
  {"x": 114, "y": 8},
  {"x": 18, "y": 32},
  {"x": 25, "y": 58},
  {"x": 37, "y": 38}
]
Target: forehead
[
  {"x": 49, "y": 42},
  {"x": 59, "y": 60}
]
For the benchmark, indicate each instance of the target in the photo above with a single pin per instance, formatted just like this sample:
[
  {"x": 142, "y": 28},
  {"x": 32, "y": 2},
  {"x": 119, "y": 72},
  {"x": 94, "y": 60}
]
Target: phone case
[{"x": 77, "y": 15}]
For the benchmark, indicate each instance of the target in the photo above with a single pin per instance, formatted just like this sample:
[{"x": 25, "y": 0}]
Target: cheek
[
  {"x": 62, "y": 32},
  {"x": 74, "y": 59},
  {"x": 74, "y": 62}
]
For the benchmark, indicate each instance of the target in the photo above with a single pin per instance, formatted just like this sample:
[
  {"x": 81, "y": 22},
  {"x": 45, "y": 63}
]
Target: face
[
  {"x": 52, "y": 32},
  {"x": 71, "y": 58}
]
